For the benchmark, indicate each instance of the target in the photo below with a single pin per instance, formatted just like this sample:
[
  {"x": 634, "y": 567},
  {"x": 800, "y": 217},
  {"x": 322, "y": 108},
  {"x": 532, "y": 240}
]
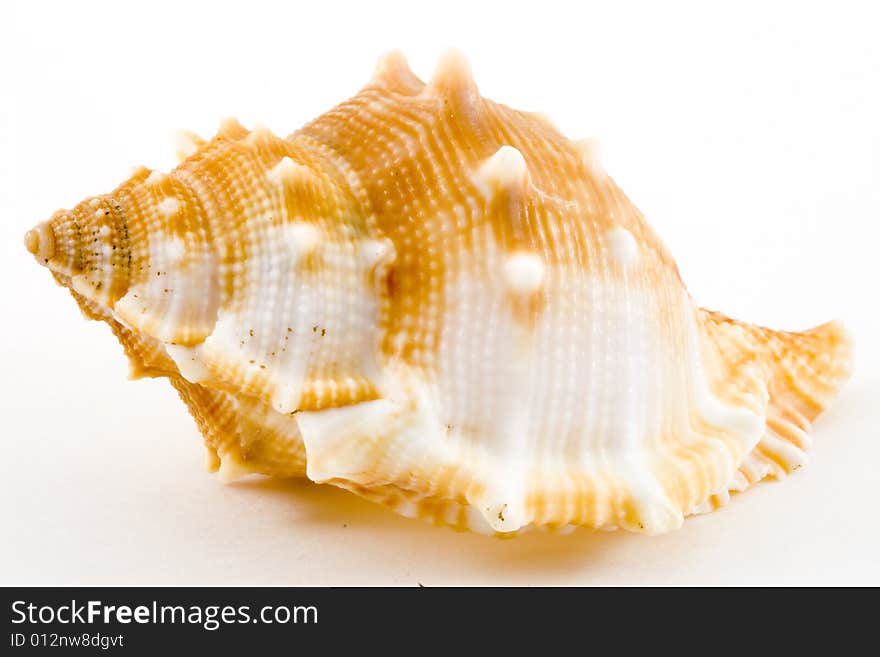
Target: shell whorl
[{"x": 441, "y": 304}]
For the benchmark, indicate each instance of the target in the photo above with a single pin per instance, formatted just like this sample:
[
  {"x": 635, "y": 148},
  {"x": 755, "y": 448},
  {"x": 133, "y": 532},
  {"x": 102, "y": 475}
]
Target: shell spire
[
  {"x": 40, "y": 242},
  {"x": 445, "y": 306}
]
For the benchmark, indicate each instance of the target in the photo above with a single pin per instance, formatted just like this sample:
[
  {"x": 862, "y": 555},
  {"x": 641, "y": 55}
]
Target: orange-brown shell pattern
[{"x": 446, "y": 306}]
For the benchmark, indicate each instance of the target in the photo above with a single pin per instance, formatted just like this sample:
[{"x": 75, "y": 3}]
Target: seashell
[{"x": 445, "y": 306}]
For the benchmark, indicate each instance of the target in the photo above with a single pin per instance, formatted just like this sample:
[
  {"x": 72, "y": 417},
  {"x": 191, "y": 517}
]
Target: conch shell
[{"x": 445, "y": 306}]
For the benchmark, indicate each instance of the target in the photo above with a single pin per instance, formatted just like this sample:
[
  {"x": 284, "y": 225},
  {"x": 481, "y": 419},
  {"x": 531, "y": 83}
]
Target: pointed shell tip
[
  {"x": 453, "y": 67},
  {"x": 506, "y": 168},
  {"x": 453, "y": 80},
  {"x": 590, "y": 152},
  {"x": 187, "y": 143},
  {"x": 393, "y": 71}
]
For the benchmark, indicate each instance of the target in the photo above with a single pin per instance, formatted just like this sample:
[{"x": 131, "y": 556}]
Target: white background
[{"x": 748, "y": 136}]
